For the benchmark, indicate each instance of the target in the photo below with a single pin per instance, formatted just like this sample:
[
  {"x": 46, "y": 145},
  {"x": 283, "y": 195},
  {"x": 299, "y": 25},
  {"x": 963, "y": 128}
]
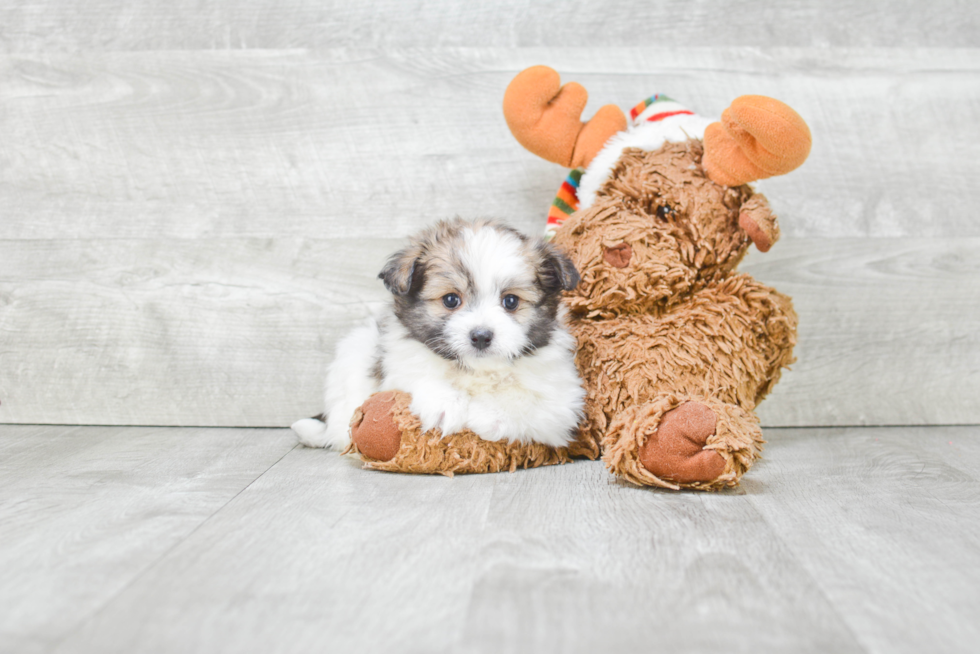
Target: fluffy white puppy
[{"x": 476, "y": 335}]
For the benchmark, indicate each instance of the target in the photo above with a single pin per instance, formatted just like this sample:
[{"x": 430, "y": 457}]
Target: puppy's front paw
[
  {"x": 444, "y": 411},
  {"x": 490, "y": 426},
  {"x": 431, "y": 417},
  {"x": 454, "y": 416}
]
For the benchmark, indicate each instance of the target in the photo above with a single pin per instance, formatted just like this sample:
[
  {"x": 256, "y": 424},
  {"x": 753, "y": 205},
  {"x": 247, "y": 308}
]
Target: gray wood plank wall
[
  {"x": 36, "y": 25},
  {"x": 196, "y": 198}
]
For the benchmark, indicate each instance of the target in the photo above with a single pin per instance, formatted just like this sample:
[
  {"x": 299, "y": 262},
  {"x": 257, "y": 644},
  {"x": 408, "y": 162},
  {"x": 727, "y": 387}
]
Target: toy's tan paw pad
[
  {"x": 373, "y": 430},
  {"x": 676, "y": 451}
]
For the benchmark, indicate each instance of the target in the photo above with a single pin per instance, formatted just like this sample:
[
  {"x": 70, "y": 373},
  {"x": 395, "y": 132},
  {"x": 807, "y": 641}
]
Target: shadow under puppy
[{"x": 475, "y": 335}]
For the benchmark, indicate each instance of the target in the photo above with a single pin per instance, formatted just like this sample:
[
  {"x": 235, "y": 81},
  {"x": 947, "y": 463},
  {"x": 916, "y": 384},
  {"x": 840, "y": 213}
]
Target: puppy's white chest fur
[
  {"x": 533, "y": 398},
  {"x": 482, "y": 382}
]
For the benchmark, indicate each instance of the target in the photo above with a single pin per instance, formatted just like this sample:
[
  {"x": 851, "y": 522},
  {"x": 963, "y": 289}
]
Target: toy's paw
[
  {"x": 676, "y": 451},
  {"x": 373, "y": 429}
]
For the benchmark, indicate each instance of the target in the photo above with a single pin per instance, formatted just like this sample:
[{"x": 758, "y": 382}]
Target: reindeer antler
[
  {"x": 545, "y": 117},
  {"x": 757, "y": 137}
]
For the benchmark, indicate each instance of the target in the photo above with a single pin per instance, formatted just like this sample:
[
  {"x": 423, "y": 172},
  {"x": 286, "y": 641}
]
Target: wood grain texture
[
  {"x": 321, "y": 556},
  {"x": 187, "y": 233},
  {"x": 551, "y": 560},
  {"x": 886, "y": 522},
  {"x": 84, "y": 511},
  {"x": 885, "y": 336},
  {"x": 574, "y": 561},
  {"x": 843, "y": 540},
  {"x": 98, "y": 25},
  {"x": 227, "y": 332},
  {"x": 206, "y": 331},
  {"x": 372, "y": 144}
]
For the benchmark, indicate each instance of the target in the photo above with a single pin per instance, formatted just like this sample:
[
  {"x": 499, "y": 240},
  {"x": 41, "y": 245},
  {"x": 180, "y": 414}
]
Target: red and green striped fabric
[
  {"x": 565, "y": 202},
  {"x": 663, "y": 100}
]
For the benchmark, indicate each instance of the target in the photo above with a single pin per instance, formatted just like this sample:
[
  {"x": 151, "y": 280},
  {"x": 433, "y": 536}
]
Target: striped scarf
[{"x": 652, "y": 110}]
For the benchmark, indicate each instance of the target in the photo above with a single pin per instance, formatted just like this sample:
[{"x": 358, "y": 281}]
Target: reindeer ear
[
  {"x": 545, "y": 117},
  {"x": 759, "y": 222},
  {"x": 757, "y": 137},
  {"x": 403, "y": 272}
]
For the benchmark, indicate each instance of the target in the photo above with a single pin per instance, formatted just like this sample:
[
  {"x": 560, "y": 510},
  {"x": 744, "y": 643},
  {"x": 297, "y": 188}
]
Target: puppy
[{"x": 475, "y": 333}]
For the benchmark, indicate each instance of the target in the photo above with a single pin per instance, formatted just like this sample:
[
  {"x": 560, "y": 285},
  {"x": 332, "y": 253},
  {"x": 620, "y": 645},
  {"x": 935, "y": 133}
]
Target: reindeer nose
[
  {"x": 480, "y": 338},
  {"x": 618, "y": 256}
]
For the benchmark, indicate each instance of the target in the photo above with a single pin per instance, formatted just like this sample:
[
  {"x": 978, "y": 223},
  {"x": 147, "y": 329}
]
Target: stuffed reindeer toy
[{"x": 674, "y": 346}]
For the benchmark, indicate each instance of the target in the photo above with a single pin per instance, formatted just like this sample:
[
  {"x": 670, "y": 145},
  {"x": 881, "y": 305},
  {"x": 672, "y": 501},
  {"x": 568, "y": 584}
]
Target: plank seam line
[
  {"x": 818, "y": 587},
  {"x": 150, "y": 566}
]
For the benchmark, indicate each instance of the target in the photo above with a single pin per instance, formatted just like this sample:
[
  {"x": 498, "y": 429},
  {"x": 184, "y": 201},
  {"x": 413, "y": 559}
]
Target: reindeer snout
[{"x": 618, "y": 256}]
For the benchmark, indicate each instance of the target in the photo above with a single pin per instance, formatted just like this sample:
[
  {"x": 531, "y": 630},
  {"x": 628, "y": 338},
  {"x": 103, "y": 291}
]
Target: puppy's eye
[
  {"x": 451, "y": 300},
  {"x": 664, "y": 212},
  {"x": 510, "y": 302}
]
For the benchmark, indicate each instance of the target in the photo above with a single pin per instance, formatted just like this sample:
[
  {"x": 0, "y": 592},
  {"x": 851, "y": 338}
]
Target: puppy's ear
[
  {"x": 556, "y": 272},
  {"x": 403, "y": 272}
]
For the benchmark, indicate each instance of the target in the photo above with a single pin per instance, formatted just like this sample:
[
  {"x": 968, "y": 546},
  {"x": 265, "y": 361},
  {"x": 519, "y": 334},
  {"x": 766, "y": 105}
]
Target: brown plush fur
[
  {"x": 663, "y": 321},
  {"x": 682, "y": 228},
  {"x": 677, "y": 324}
]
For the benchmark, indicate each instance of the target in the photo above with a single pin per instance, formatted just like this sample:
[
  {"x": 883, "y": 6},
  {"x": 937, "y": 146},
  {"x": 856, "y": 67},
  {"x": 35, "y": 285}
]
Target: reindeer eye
[
  {"x": 510, "y": 302},
  {"x": 664, "y": 212},
  {"x": 450, "y": 300}
]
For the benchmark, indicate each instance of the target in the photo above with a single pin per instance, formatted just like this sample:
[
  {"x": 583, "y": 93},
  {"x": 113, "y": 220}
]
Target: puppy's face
[{"x": 478, "y": 293}]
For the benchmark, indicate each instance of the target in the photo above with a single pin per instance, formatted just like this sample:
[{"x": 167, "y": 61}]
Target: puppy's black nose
[{"x": 480, "y": 338}]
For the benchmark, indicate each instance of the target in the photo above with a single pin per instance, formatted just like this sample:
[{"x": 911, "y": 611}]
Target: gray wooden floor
[{"x": 116, "y": 539}]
